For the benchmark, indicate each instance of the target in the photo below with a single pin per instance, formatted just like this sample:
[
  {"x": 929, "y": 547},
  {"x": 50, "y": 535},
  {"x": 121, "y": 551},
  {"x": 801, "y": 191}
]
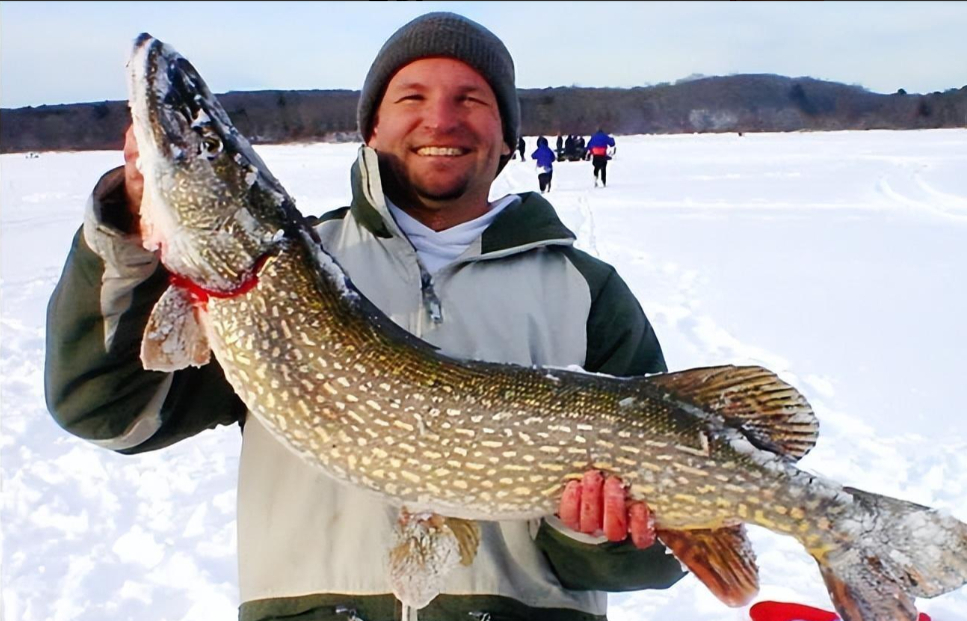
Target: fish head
[{"x": 211, "y": 207}]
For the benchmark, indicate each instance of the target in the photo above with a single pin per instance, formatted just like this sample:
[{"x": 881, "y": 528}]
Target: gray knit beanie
[{"x": 452, "y": 36}]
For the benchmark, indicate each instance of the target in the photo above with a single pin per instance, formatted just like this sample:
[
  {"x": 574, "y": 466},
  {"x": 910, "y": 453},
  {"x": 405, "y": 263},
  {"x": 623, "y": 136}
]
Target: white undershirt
[{"x": 437, "y": 249}]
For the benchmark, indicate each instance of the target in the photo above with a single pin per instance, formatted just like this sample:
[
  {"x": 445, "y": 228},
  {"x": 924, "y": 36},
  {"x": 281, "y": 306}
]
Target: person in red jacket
[{"x": 598, "y": 147}]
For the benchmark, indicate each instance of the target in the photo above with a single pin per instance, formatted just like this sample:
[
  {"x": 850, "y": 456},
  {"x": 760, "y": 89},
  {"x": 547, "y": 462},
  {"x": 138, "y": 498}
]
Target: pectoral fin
[
  {"x": 721, "y": 558},
  {"x": 174, "y": 337}
]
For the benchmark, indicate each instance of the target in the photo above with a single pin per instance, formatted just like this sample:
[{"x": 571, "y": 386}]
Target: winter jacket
[
  {"x": 544, "y": 157},
  {"x": 310, "y": 547},
  {"x": 599, "y": 143}
]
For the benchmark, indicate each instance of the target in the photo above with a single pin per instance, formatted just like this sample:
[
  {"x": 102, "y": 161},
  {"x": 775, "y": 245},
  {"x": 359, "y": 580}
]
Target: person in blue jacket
[
  {"x": 545, "y": 164},
  {"x": 598, "y": 148}
]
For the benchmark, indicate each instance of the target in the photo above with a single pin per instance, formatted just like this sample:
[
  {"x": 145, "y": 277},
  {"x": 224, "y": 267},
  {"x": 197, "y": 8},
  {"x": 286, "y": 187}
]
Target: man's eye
[{"x": 410, "y": 98}]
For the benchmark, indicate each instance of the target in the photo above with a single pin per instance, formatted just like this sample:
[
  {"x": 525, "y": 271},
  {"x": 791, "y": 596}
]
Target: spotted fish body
[
  {"x": 469, "y": 439},
  {"x": 353, "y": 394}
]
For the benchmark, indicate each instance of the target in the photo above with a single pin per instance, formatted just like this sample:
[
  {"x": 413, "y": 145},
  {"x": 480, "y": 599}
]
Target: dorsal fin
[{"x": 771, "y": 413}]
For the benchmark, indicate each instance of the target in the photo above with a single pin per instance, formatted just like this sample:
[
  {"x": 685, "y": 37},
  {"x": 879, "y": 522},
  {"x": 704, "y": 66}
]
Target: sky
[
  {"x": 67, "y": 52},
  {"x": 834, "y": 259}
]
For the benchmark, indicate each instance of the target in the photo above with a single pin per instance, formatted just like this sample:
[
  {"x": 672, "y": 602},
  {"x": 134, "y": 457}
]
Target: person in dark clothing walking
[
  {"x": 520, "y": 147},
  {"x": 545, "y": 164},
  {"x": 598, "y": 146}
]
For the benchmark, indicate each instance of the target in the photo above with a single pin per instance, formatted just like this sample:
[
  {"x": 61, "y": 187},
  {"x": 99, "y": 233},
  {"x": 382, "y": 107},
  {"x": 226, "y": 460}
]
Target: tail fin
[{"x": 899, "y": 550}]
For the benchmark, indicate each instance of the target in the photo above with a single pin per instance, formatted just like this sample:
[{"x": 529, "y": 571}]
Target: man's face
[{"x": 438, "y": 129}]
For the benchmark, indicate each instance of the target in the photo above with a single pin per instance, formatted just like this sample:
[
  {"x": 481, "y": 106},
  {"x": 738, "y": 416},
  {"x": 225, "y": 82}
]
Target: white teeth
[{"x": 446, "y": 151}]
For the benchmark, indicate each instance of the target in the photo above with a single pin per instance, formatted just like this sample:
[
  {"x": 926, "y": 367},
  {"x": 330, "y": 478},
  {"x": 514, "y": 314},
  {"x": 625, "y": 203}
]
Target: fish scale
[{"x": 362, "y": 400}]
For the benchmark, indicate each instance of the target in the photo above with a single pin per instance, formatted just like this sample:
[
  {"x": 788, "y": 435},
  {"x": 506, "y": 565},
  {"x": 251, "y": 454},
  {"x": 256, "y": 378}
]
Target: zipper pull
[{"x": 431, "y": 302}]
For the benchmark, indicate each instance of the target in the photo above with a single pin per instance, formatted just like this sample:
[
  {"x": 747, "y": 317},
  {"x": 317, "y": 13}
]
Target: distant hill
[{"x": 738, "y": 103}]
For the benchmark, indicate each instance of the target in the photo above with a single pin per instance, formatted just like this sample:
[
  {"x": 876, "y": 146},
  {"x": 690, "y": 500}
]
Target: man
[
  {"x": 598, "y": 147},
  {"x": 495, "y": 280}
]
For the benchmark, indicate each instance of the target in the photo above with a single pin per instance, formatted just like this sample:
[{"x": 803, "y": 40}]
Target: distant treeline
[{"x": 739, "y": 103}]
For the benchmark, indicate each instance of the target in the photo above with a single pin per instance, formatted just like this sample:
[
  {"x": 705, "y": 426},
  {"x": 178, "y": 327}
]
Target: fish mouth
[
  {"x": 171, "y": 100},
  {"x": 178, "y": 120},
  {"x": 202, "y": 178}
]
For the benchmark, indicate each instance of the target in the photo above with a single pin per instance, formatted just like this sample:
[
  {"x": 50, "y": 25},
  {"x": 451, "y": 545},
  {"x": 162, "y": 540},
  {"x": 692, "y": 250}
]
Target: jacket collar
[
  {"x": 369, "y": 204},
  {"x": 528, "y": 223}
]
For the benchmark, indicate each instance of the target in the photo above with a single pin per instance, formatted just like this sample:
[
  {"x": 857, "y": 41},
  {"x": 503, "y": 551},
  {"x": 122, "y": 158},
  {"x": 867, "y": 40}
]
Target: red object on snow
[{"x": 787, "y": 611}]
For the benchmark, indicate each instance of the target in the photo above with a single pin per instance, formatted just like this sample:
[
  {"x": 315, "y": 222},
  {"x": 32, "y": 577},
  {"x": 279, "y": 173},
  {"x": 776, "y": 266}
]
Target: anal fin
[
  {"x": 174, "y": 337},
  {"x": 721, "y": 558}
]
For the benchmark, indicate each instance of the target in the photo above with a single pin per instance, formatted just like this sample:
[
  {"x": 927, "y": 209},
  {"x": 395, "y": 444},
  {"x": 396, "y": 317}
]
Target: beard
[
  {"x": 452, "y": 191},
  {"x": 400, "y": 184}
]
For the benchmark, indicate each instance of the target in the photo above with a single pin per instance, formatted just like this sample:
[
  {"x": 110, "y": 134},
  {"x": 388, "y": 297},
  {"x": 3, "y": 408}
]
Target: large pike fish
[{"x": 353, "y": 394}]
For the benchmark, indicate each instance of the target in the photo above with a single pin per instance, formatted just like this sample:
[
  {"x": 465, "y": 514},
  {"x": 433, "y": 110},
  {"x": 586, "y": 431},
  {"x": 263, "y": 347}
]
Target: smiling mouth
[{"x": 442, "y": 151}]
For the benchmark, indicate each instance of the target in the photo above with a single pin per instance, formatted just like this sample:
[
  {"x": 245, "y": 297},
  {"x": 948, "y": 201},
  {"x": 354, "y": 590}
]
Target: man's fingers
[
  {"x": 597, "y": 504},
  {"x": 641, "y": 525},
  {"x": 615, "y": 512},
  {"x": 570, "y": 507},
  {"x": 591, "y": 514}
]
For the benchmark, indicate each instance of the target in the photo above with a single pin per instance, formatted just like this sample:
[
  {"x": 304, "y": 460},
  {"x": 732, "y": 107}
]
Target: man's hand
[
  {"x": 596, "y": 504},
  {"x": 133, "y": 180}
]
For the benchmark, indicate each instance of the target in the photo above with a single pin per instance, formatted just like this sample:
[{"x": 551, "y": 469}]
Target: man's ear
[{"x": 373, "y": 130}]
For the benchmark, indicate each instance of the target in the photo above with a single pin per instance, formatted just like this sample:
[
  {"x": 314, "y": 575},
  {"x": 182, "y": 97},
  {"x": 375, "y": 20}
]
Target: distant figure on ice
[
  {"x": 560, "y": 148},
  {"x": 598, "y": 146},
  {"x": 545, "y": 164},
  {"x": 569, "y": 147},
  {"x": 520, "y": 147}
]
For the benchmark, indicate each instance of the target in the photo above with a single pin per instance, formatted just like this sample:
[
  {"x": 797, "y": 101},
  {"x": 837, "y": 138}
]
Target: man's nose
[{"x": 442, "y": 114}]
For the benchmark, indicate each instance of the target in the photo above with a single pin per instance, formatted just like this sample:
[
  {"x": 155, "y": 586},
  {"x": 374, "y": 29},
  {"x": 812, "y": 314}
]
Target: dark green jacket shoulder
[{"x": 95, "y": 385}]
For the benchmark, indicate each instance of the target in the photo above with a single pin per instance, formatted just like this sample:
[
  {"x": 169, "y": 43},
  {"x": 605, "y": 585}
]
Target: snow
[{"x": 834, "y": 259}]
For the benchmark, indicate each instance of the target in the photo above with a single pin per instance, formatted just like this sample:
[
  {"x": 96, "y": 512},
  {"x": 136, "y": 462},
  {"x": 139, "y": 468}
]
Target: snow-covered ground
[{"x": 839, "y": 260}]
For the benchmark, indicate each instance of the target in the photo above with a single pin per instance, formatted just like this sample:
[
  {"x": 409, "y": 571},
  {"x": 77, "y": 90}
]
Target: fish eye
[{"x": 211, "y": 145}]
